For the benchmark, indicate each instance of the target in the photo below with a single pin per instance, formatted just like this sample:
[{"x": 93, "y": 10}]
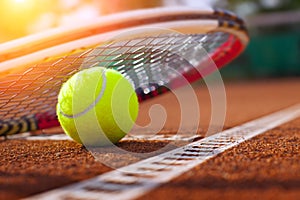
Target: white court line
[
  {"x": 137, "y": 179},
  {"x": 142, "y": 137},
  {"x": 48, "y": 137},
  {"x": 163, "y": 137}
]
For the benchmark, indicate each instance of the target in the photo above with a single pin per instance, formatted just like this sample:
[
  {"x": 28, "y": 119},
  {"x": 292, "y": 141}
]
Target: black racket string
[
  {"x": 154, "y": 61},
  {"x": 146, "y": 62}
]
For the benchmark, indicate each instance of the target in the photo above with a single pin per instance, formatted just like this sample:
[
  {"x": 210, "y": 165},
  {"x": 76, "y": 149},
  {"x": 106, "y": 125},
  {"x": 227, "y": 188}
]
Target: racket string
[{"x": 147, "y": 62}]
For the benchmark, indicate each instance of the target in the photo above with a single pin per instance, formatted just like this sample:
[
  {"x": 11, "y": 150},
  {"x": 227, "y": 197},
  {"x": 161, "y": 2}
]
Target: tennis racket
[{"x": 136, "y": 43}]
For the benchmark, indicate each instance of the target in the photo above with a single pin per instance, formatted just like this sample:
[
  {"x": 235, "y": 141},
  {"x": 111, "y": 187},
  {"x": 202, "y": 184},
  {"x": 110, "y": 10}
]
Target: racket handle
[{"x": 28, "y": 123}]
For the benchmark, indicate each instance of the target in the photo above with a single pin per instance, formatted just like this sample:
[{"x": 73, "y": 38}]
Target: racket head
[{"x": 30, "y": 79}]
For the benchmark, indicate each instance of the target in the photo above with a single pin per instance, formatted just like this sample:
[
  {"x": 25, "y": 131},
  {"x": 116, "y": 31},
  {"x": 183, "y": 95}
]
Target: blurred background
[
  {"x": 274, "y": 48},
  {"x": 274, "y": 27}
]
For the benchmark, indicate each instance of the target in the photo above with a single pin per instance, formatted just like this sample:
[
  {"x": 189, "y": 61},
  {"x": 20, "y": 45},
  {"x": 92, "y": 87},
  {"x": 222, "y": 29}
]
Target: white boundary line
[
  {"x": 40, "y": 137},
  {"x": 136, "y": 137},
  {"x": 137, "y": 179}
]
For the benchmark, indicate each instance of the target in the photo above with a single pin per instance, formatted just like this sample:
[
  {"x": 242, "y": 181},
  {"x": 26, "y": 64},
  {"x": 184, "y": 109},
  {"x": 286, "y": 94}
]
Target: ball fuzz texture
[{"x": 97, "y": 107}]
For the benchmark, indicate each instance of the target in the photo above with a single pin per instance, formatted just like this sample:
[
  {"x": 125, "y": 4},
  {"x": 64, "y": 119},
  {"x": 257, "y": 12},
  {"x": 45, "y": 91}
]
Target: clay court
[
  {"x": 219, "y": 94},
  {"x": 265, "y": 167}
]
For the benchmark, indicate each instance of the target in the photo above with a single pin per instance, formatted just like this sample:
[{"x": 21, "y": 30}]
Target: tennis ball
[{"x": 97, "y": 107}]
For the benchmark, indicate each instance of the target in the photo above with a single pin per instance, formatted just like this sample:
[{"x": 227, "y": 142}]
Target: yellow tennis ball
[{"x": 97, "y": 107}]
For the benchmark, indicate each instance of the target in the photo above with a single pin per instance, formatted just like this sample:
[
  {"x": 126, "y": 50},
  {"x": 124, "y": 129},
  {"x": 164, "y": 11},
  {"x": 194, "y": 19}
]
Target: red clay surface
[{"x": 266, "y": 167}]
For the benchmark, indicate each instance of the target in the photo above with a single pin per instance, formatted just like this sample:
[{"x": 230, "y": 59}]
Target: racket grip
[{"x": 28, "y": 123}]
